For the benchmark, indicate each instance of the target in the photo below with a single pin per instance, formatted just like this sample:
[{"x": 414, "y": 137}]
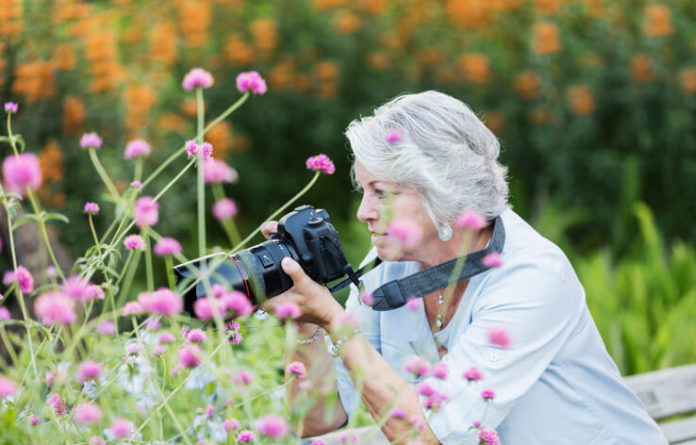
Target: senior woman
[{"x": 426, "y": 158}]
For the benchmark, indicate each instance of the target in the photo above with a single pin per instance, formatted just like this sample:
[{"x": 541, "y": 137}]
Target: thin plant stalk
[
  {"x": 102, "y": 173},
  {"x": 148, "y": 260},
  {"x": 44, "y": 234}
]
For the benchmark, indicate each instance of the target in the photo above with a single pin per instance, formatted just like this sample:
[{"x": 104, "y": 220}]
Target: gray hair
[{"x": 445, "y": 153}]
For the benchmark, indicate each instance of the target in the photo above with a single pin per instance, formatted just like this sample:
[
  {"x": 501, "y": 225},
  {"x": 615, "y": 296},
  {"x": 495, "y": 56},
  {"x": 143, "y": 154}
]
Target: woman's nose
[{"x": 367, "y": 211}]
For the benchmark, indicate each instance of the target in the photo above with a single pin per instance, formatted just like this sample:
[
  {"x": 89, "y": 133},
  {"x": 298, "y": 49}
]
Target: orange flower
[
  {"x": 194, "y": 22},
  {"x": 221, "y": 138},
  {"x": 73, "y": 115},
  {"x": 470, "y": 13},
  {"x": 35, "y": 80},
  {"x": 642, "y": 68},
  {"x": 495, "y": 121},
  {"x": 545, "y": 38},
  {"x": 539, "y": 116},
  {"x": 446, "y": 74},
  {"x": 139, "y": 100},
  {"x": 373, "y": 6},
  {"x": 101, "y": 46},
  {"x": 378, "y": 60},
  {"x": 163, "y": 47},
  {"x": 430, "y": 55},
  {"x": 282, "y": 76},
  {"x": 237, "y": 51},
  {"x": 170, "y": 122},
  {"x": 326, "y": 71},
  {"x": 51, "y": 161},
  {"x": 474, "y": 67},
  {"x": 687, "y": 80},
  {"x": 581, "y": 100},
  {"x": 322, "y": 5},
  {"x": 595, "y": 7},
  {"x": 64, "y": 57},
  {"x": 346, "y": 22},
  {"x": 265, "y": 34},
  {"x": 528, "y": 85},
  {"x": 658, "y": 21},
  {"x": 190, "y": 107},
  {"x": 10, "y": 19},
  {"x": 548, "y": 7}
]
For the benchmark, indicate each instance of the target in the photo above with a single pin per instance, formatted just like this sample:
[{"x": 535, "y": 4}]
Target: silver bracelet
[
  {"x": 311, "y": 339},
  {"x": 336, "y": 347}
]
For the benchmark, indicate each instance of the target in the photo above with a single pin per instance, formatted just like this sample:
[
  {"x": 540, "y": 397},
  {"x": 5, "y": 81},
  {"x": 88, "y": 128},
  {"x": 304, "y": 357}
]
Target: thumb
[{"x": 295, "y": 271}]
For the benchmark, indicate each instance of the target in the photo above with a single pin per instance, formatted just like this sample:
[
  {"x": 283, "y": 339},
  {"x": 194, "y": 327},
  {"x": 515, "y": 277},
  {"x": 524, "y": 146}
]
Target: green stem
[
  {"x": 278, "y": 212},
  {"x": 8, "y": 345},
  {"x": 129, "y": 270},
  {"x": 9, "y": 134},
  {"x": 44, "y": 234},
  {"x": 228, "y": 224},
  {"x": 96, "y": 239},
  {"x": 171, "y": 280},
  {"x": 200, "y": 184},
  {"x": 227, "y": 112},
  {"x": 102, "y": 173},
  {"x": 138, "y": 168},
  {"x": 148, "y": 260}
]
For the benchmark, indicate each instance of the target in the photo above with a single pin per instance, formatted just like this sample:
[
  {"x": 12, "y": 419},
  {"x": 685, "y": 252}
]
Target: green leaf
[
  {"x": 24, "y": 219},
  {"x": 58, "y": 216}
]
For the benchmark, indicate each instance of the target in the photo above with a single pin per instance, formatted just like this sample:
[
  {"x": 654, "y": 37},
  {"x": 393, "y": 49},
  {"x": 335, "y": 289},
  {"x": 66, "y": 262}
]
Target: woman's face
[{"x": 382, "y": 202}]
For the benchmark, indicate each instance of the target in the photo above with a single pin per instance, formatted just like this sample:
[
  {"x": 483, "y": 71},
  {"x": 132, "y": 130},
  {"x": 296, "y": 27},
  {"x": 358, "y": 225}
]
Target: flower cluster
[
  {"x": 21, "y": 172},
  {"x": 321, "y": 163},
  {"x": 203, "y": 151},
  {"x": 197, "y": 78},
  {"x": 251, "y": 81}
]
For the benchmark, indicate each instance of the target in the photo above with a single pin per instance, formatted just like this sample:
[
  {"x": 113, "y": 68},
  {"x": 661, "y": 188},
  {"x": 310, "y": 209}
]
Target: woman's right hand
[{"x": 269, "y": 228}]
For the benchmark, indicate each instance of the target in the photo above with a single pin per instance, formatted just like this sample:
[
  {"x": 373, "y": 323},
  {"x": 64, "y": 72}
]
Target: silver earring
[{"x": 444, "y": 232}]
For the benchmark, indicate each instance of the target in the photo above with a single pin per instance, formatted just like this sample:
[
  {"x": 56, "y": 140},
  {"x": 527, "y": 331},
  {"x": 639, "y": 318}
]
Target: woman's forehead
[{"x": 364, "y": 177}]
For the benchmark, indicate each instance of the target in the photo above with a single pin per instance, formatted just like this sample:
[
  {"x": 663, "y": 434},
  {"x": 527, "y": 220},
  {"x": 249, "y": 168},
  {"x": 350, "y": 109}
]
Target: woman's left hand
[{"x": 316, "y": 303}]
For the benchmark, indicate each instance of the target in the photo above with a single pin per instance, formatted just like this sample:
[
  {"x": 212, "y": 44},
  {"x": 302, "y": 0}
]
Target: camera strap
[{"x": 393, "y": 295}]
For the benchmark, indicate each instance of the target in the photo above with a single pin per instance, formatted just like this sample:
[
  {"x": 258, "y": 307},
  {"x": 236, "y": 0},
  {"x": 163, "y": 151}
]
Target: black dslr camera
[{"x": 306, "y": 235}]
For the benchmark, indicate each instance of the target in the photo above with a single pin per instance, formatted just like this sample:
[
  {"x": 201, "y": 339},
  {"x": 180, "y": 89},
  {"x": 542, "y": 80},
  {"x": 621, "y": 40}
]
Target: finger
[
  {"x": 295, "y": 271},
  {"x": 269, "y": 228}
]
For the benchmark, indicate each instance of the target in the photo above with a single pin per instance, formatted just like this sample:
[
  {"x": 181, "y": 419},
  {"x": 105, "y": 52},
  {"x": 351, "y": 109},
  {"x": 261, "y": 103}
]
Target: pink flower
[
  {"x": 499, "y": 337},
  {"x": 94, "y": 292},
  {"x": 196, "y": 335},
  {"x": 440, "y": 371},
  {"x": 367, "y": 298},
  {"x": 407, "y": 233},
  {"x": 21, "y": 172},
  {"x": 158, "y": 350},
  {"x": 88, "y": 370},
  {"x": 193, "y": 150},
  {"x": 205, "y": 309},
  {"x": 167, "y": 246},
  {"x": 33, "y": 420},
  {"x": 425, "y": 389},
  {"x": 273, "y": 426},
  {"x": 413, "y": 304},
  {"x": 7, "y": 387},
  {"x": 5, "y": 314},
  {"x": 58, "y": 404},
  {"x": 91, "y": 207},
  {"x": 121, "y": 428},
  {"x": 321, "y": 163},
  {"x": 487, "y": 394},
  {"x": 287, "y": 309},
  {"x": 132, "y": 308},
  {"x": 224, "y": 209},
  {"x": 76, "y": 288},
  {"x": 218, "y": 171},
  {"x": 251, "y": 81},
  {"x": 136, "y": 147},
  {"x": 239, "y": 304},
  {"x": 106, "y": 328},
  {"x": 53, "y": 307},
  {"x": 152, "y": 324},
  {"x": 243, "y": 376},
  {"x": 133, "y": 349},
  {"x": 22, "y": 277},
  {"x": 86, "y": 412},
  {"x": 398, "y": 413},
  {"x": 473, "y": 374},
  {"x": 230, "y": 423},
  {"x": 471, "y": 220},
  {"x": 493, "y": 259},
  {"x": 190, "y": 355},
  {"x": 90, "y": 140},
  {"x": 11, "y": 107},
  {"x": 165, "y": 337},
  {"x": 197, "y": 78},
  {"x": 210, "y": 410},
  {"x": 317, "y": 442},
  {"x": 136, "y": 184},
  {"x": 245, "y": 436},
  {"x": 298, "y": 369},
  {"x": 163, "y": 301},
  {"x": 146, "y": 211},
  {"x": 417, "y": 366},
  {"x": 134, "y": 241},
  {"x": 488, "y": 437},
  {"x": 394, "y": 136},
  {"x": 94, "y": 440}
]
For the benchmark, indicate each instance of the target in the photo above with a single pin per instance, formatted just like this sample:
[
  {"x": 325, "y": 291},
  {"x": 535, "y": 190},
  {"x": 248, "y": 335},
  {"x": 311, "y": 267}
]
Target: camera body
[{"x": 305, "y": 234}]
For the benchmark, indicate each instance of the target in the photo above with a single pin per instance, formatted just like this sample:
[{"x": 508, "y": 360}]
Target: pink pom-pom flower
[
  {"x": 91, "y": 207},
  {"x": 321, "y": 163},
  {"x": 53, "y": 307},
  {"x": 471, "y": 220},
  {"x": 86, "y": 412},
  {"x": 146, "y": 211},
  {"x": 11, "y": 107},
  {"x": 298, "y": 369},
  {"x": 218, "y": 171},
  {"x": 135, "y": 241},
  {"x": 273, "y": 426},
  {"x": 88, "y": 370},
  {"x": 135, "y": 148},
  {"x": 90, "y": 140},
  {"x": 225, "y": 209},
  {"x": 21, "y": 172},
  {"x": 406, "y": 232},
  {"x": 251, "y": 81},
  {"x": 197, "y": 78},
  {"x": 167, "y": 246},
  {"x": 287, "y": 309},
  {"x": 121, "y": 428}
]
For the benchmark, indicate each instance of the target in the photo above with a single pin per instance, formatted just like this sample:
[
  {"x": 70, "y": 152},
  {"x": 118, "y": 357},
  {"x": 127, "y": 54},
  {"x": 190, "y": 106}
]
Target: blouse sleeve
[{"x": 537, "y": 303}]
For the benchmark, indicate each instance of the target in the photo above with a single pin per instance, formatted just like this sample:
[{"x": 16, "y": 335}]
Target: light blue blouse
[{"x": 554, "y": 384}]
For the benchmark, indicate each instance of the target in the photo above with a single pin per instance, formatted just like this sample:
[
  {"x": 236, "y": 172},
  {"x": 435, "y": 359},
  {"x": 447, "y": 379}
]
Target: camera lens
[{"x": 256, "y": 272}]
